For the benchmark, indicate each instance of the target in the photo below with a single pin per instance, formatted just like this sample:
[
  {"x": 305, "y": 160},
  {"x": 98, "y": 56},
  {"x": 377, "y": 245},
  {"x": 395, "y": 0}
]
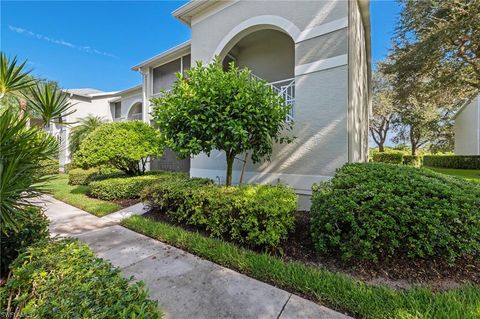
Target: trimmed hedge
[
  {"x": 452, "y": 161},
  {"x": 377, "y": 211},
  {"x": 64, "y": 279},
  {"x": 412, "y": 160},
  {"x": 255, "y": 215},
  {"x": 48, "y": 167},
  {"x": 389, "y": 157},
  {"x": 79, "y": 176},
  {"x": 33, "y": 228},
  {"x": 128, "y": 187}
]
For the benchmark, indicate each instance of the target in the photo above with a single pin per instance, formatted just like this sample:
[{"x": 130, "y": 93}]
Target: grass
[
  {"x": 335, "y": 290},
  {"x": 472, "y": 175},
  {"x": 76, "y": 195}
]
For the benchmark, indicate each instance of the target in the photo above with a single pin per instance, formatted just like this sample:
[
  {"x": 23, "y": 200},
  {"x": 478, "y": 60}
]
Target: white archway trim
[
  {"x": 136, "y": 101},
  {"x": 270, "y": 20}
]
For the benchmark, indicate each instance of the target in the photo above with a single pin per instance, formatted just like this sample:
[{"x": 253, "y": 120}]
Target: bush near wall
[
  {"x": 255, "y": 215},
  {"x": 377, "y": 211},
  {"x": 452, "y": 161},
  {"x": 64, "y": 279},
  {"x": 79, "y": 176},
  {"x": 389, "y": 157},
  {"x": 48, "y": 167},
  {"x": 33, "y": 228},
  {"x": 129, "y": 187}
]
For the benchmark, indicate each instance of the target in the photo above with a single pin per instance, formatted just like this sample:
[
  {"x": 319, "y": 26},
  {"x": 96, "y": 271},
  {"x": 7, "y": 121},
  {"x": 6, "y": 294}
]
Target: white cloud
[{"x": 60, "y": 42}]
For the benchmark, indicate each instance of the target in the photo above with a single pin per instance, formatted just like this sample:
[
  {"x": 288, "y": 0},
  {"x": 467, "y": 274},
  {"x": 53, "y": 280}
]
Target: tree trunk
[
  {"x": 230, "y": 158},
  {"x": 381, "y": 148},
  {"x": 413, "y": 142}
]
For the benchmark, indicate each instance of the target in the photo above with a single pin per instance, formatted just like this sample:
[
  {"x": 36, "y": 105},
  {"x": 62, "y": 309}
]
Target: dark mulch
[
  {"x": 127, "y": 202},
  {"x": 398, "y": 273}
]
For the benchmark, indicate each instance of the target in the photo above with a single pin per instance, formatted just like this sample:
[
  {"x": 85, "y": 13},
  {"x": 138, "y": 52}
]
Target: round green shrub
[
  {"x": 376, "y": 211},
  {"x": 122, "y": 145}
]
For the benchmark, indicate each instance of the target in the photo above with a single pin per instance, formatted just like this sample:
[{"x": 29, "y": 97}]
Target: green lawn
[
  {"x": 75, "y": 195},
  {"x": 472, "y": 175},
  {"x": 332, "y": 289}
]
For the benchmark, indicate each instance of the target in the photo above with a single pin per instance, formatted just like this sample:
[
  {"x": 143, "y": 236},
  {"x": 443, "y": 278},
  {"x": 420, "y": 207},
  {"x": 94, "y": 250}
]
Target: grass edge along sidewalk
[{"x": 334, "y": 290}]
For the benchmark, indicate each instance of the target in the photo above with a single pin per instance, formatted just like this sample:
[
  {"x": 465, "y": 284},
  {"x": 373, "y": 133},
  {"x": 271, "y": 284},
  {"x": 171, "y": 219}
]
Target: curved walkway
[{"x": 184, "y": 285}]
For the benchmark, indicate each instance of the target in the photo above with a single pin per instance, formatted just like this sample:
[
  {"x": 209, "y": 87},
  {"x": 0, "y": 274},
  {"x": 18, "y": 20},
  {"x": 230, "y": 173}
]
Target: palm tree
[
  {"x": 22, "y": 149},
  {"x": 80, "y": 132},
  {"x": 13, "y": 76},
  {"x": 49, "y": 102}
]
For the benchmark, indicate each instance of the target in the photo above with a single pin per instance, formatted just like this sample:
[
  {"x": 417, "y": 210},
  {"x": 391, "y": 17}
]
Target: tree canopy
[
  {"x": 212, "y": 109},
  {"x": 438, "y": 41}
]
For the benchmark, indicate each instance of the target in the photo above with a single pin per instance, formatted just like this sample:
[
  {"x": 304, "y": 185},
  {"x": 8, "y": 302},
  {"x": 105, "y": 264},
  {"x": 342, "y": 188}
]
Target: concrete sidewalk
[{"x": 185, "y": 286}]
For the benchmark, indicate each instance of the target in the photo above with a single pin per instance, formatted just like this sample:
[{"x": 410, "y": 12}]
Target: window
[{"x": 117, "y": 110}]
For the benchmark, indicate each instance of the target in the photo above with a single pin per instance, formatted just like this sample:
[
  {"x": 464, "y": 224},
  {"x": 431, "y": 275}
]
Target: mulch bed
[{"x": 398, "y": 273}]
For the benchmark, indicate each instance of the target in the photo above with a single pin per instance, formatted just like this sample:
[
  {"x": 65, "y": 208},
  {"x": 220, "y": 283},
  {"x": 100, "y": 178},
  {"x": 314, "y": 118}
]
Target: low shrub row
[
  {"x": 255, "y": 215},
  {"x": 129, "y": 187},
  {"x": 376, "y": 211},
  {"x": 452, "y": 161},
  {"x": 48, "y": 167},
  {"x": 79, "y": 176},
  {"x": 32, "y": 228},
  {"x": 397, "y": 158},
  {"x": 64, "y": 279}
]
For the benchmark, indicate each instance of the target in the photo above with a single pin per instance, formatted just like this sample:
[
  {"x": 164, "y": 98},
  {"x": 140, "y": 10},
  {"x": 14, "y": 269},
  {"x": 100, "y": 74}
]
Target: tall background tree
[
  {"x": 212, "y": 109},
  {"x": 440, "y": 41},
  {"x": 383, "y": 108}
]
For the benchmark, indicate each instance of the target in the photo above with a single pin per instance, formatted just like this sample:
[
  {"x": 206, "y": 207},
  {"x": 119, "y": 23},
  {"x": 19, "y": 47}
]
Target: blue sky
[{"x": 94, "y": 44}]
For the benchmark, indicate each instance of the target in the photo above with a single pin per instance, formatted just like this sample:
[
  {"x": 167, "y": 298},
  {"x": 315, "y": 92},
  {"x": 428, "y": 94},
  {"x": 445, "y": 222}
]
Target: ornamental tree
[
  {"x": 212, "y": 109},
  {"x": 123, "y": 145}
]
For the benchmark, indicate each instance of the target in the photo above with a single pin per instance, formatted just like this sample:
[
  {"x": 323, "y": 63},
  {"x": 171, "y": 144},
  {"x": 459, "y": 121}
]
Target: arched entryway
[
  {"x": 269, "y": 52},
  {"x": 135, "y": 112}
]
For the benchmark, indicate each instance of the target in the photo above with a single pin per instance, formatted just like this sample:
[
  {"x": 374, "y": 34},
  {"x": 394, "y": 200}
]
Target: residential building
[
  {"x": 315, "y": 53},
  {"x": 467, "y": 128}
]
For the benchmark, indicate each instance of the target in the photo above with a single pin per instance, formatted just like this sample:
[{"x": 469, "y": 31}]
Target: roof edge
[{"x": 164, "y": 54}]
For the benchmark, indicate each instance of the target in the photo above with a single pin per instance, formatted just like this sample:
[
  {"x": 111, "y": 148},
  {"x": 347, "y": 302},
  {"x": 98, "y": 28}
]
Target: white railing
[{"x": 286, "y": 89}]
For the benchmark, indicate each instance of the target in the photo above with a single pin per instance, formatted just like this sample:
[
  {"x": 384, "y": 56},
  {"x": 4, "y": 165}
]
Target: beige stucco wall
[
  {"x": 321, "y": 108},
  {"x": 467, "y": 129},
  {"x": 358, "y": 87}
]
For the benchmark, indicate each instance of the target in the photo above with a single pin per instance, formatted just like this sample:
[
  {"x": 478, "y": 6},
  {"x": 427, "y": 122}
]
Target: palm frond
[
  {"x": 13, "y": 76},
  {"x": 80, "y": 132},
  {"x": 51, "y": 103}
]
